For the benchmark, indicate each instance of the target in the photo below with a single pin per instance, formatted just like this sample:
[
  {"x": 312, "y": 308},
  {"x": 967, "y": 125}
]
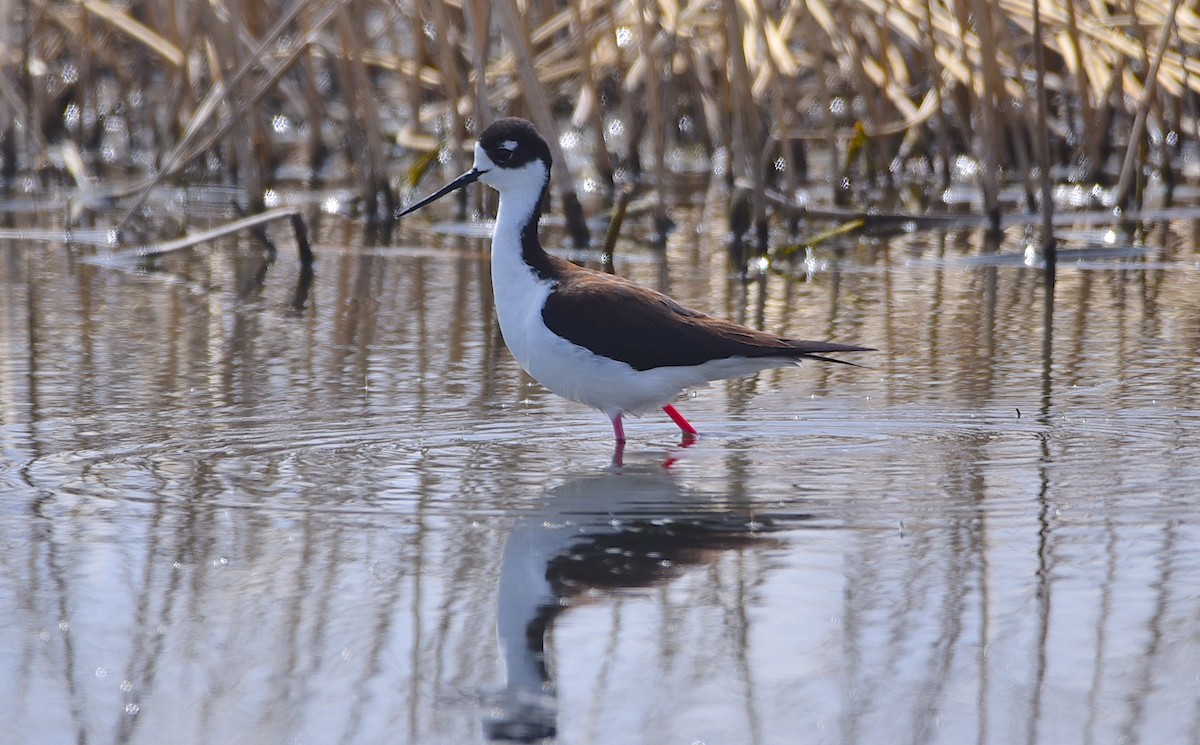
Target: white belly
[
  {"x": 571, "y": 371},
  {"x": 580, "y": 375}
]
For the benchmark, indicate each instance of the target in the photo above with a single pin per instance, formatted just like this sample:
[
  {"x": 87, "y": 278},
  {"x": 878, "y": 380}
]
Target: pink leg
[
  {"x": 618, "y": 428},
  {"x": 676, "y": 417},
  {"x": 618, "y": 459}
]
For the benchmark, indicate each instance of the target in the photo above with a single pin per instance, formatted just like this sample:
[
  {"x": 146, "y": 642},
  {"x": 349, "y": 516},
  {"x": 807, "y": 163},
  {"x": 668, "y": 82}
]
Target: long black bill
[{"x": 469, "y": 177}]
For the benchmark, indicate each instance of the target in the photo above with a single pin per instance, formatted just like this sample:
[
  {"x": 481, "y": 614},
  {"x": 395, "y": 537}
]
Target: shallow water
[{"x": 235, "y": 512}]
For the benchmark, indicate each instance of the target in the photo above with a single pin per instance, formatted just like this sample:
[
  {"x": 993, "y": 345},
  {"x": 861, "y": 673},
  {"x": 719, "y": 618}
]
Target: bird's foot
[
  {"x": 683, "y": 424},
  {"x": 618, "y": 456}
]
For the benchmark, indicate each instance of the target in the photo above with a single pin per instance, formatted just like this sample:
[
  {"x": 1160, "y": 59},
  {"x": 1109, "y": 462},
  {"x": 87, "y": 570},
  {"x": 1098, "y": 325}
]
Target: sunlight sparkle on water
[
  {"x": 813, "y": 265},
  {"x": 1030, "y": 257},
  {"x": 965, "y": 167}
]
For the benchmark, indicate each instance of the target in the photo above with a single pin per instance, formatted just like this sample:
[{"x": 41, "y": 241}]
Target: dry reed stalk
[
  {"x": 1042, "y": 143},
  {"x": 88, "y": 106},
  {"x": 249, "y": 141},
  {"x": 1077, "y": 66},
  {"x": 447, "y": 37},
  {"x": 539, "y": 105},
  {"x": 651, "y": 70},
  {"x": 988, "y": 108},
  {"x": 746, "y": 145},
  {"x": 587, "y": 109},
  {"x": 199, "y": 136},
  {"x": 12, "y": 102},
  {"x": 477, "y": 18},
  {"x": 632, "y": 115},
  {"x": 181, "y": 33},
  {"x": 313, "y": 105},
  {"x": 883, "y": 72},
  {"x": 686, "y": 47},
  {"x": 1020, "y": 113},
  {"x": 414, "y": 84},
  {"x": 147, "y": 38},
  {"x": 938, "y": 82},
  {"x": 614, "y": 228},
  {"x": 698, "y": 76},
  {"x": 368, "y": 109},
  {"x": 1126, "y": 179},
  {"x": 778, "y": 63},
  {"x": 874, "y": 118},
  {"x": 824, "y": 95}
]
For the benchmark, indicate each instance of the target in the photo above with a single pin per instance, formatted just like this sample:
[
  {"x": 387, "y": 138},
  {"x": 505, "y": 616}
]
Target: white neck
[{"x": 518, "y": 291}]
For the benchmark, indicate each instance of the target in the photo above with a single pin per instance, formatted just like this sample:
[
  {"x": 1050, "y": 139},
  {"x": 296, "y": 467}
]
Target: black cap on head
[
  {"x": 512, "y": 142},
  {"x": 509, "y": 143}
]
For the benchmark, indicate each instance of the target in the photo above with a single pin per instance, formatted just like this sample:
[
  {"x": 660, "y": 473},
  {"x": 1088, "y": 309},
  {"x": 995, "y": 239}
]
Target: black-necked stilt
[{"x": 596, "y": 338}]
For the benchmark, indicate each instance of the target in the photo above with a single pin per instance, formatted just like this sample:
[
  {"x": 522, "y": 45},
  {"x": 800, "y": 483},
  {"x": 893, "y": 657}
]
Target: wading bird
[{"x": 591, "y": 337}]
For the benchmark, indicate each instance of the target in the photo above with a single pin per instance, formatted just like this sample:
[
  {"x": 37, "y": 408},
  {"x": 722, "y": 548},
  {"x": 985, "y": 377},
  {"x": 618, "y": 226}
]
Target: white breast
[{"x": 571, "y": 371}]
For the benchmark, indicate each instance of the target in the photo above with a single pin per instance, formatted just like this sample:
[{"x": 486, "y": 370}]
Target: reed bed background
[{"x": 865, "y": 99}]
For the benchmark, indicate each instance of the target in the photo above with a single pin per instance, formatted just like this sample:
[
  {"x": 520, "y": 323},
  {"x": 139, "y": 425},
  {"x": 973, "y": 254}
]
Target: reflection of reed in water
[{"x": 602, "y": 532}]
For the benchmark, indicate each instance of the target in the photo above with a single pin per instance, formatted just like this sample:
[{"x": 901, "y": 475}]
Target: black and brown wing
[{"x": 618, "y": 319}]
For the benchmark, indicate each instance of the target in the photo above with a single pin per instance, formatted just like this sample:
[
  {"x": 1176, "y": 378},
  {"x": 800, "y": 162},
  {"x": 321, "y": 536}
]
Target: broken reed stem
[
  {"x": 294, "y": 216},
  {"x": 614, "y": 228}
]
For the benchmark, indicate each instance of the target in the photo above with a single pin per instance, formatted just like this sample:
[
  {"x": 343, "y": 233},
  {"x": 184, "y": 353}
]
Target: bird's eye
[{"x": 501, "y": 155}]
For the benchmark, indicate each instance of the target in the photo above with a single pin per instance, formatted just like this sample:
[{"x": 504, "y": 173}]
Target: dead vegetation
[{"x": 857, "y": 97}]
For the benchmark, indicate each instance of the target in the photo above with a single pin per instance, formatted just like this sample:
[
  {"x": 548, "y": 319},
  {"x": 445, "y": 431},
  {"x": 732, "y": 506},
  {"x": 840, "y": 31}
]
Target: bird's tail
[{"x": 815, "y": 350}]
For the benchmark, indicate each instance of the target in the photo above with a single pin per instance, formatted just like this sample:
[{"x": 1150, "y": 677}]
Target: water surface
[{"x": 237, "y": 512}]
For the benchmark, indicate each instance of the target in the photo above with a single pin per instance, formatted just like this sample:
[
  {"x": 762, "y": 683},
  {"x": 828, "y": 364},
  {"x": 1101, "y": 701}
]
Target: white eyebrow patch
[{"x": 509, "y": 145}]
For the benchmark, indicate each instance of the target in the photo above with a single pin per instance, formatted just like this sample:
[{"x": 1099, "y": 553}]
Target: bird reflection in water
[{"x": 626, "y": 528}]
